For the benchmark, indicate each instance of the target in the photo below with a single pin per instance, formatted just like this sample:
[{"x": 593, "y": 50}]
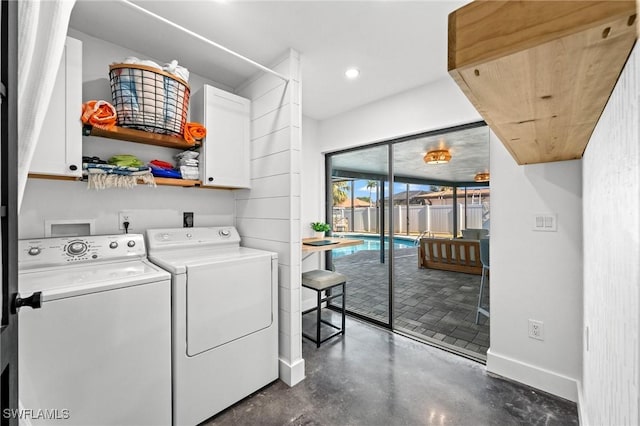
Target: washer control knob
[
  {"x": 224, "y": 233},
  {"x": 189, "y": 236},
  {"x": 164, "y": 237},
  {"x": 34, "y": 251},
  {"x": 131, "y": 243},
  {"x": 77, "y": 247},
  {"x": 113, "y": 244}
]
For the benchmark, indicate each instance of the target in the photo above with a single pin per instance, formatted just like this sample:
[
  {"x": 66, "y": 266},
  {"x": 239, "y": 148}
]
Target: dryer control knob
[
  {"x": 113, "y": 244},
  {"x": 164, "y": 237},
  {"x": 224, "y": 233},
  {"x": 131, "y": 243},
  {"x": 33, "y": 251}
]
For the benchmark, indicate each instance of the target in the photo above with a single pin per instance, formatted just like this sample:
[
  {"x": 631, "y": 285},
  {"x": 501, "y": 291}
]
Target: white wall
[
  {"x": 312, "y": 198},
  {"x": 536, "y": 275},
  {"x": 148, "y": 207},
  {"x": 268, "y": 214},
  {"x": 312, "y": 175},
  {"x": 430, "y": 107},
  {"x": 611, "y": 174}
]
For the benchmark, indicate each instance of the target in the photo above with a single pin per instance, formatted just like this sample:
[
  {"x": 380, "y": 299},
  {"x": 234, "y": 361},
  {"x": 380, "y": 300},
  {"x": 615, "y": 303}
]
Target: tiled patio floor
[{"x": 437, "y": 306}]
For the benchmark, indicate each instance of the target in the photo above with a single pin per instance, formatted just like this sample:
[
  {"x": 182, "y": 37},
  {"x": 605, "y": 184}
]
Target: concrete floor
[
  {"x": 436, "y": 306},
  {"x": 374, "y": 377}
]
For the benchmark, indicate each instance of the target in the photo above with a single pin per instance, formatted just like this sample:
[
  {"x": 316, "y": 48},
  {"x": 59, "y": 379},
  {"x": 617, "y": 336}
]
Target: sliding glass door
[
  {"x": 359, "y": 207},
  {"x": 421, "y": 205}
]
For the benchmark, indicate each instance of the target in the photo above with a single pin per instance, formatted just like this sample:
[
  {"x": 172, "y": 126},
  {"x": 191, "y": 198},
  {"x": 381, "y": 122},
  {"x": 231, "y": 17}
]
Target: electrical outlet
[
  {"x": 187, "y": 220},
  {"x": 124, "y": 217},
  {"x": 536, "y": 329}
]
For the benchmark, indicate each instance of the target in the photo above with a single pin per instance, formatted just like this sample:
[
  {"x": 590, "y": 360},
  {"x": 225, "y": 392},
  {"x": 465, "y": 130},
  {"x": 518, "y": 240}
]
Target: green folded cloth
[{"x": 125, "y": 160}]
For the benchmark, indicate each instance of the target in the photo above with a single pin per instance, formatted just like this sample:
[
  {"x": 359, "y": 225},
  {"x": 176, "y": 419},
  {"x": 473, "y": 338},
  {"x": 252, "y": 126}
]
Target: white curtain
[{"x": 42, "y": 30}]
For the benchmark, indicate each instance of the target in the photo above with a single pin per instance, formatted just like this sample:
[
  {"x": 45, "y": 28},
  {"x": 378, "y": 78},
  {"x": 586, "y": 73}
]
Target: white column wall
[
  {"x": 611, "y": 174},
  {"x": 268, "y": 214},
  {"x": 536, "y": 275}
]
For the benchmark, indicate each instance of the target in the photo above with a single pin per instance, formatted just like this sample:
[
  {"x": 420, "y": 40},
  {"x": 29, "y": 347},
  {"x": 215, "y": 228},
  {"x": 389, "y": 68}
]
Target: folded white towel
[
  {"x": 136, "y": 61},
  {"x": 177, "y": 70},
  {"x": 189, "y": 172},
  {"x": 187, "y": 154}
]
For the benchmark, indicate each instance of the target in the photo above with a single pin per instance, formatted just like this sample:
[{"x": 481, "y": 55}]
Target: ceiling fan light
[
  {"x": 438, "y": 156},
  {"x": 482, "y": 177}
]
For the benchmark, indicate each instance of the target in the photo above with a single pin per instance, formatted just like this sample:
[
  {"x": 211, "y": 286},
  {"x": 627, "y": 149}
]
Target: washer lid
[
  {"x": 64, "y": 282},
  {"x": 176, "y": 261}
]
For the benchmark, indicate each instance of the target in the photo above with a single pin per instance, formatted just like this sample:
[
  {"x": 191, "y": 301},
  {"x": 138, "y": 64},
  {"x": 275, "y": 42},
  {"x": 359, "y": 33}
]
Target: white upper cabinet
[
  {"x": 224, "y": 158},
  {"x": 59, "y": 148}
]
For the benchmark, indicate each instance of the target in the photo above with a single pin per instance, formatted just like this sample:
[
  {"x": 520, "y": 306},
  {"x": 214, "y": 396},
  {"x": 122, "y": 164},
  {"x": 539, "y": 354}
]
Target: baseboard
[
  {"x": 582, "y": 414},
  {"x": 539, "y": 378},
  {"x": 291, "y": 374}
]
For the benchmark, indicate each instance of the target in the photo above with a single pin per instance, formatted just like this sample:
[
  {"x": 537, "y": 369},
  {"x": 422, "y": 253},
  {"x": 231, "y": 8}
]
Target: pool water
[{"x": 371, "y": 243}]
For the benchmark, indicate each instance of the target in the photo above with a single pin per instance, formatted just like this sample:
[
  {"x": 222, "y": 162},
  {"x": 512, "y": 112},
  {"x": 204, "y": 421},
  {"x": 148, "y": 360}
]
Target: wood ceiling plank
[{"x": 542, "y": 96}]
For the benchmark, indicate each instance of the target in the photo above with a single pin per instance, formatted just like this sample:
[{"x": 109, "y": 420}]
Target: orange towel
[
  {"x": 99, "y": 114},
  {"x": 193, "y": 132}
]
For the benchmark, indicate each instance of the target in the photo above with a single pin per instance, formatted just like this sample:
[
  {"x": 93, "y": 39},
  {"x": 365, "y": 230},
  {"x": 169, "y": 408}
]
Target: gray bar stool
[{"x": 320, "y": 280}]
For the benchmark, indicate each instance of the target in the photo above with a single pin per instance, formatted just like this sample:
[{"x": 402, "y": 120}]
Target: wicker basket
[{"x": 149, "y": 99}]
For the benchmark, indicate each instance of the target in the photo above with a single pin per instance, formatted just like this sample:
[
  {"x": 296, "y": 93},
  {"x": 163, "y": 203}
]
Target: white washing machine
[
  {"x": 94, "y": 348},
  {"x": 224, "y": 318}
]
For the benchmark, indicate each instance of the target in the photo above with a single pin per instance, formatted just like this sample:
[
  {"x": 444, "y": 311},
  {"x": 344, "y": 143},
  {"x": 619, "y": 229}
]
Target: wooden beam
[{"x": 541, "y": 72}]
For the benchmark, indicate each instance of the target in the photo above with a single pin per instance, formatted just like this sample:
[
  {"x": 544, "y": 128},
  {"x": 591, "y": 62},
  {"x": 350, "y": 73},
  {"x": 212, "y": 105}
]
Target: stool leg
[
  {"x": 480, "y": 296},
  {"x": 319, "y": 320},
  {"x": 344, "y": 303}
]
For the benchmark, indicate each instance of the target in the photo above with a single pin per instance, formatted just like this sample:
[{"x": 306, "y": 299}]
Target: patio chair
[
  {"x": 484, "y": 259},
  {"x": 341, "y": 225}
]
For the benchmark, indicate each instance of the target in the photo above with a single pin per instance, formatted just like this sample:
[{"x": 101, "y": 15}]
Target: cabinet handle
[
  {"x": 73, "y": 167},
  {"x": 210, "y": 179}
]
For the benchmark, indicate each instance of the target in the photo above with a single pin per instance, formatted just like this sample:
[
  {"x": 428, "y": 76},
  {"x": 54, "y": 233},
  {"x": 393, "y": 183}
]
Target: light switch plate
[{"x": 545, "y": 222}]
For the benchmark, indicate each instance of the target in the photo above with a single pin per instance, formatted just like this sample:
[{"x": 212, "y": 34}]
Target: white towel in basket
[
  {"x": 174, "y": 99},
  {"x": 150, "y": 94}
]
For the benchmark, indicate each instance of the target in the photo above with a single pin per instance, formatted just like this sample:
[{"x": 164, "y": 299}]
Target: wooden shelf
[
  {"x": 540, "y": 72},
  {"x": 177, "y": 182},
  {"x": 52, "y": 177},
  {"x": 160, "y": 181},
  {"x": 139, "y": 136}
]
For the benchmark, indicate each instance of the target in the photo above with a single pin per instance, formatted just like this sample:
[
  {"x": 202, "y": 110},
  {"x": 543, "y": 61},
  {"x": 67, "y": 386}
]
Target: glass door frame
[{"x": 391, "y": 219}]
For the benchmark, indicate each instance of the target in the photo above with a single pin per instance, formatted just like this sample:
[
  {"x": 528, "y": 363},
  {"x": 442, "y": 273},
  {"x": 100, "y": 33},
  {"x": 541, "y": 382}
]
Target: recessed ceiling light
[{"x": 352, "y": 73}]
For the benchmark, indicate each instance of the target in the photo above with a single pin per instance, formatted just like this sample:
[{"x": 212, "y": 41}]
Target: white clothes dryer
[
  {"x": 224, "y": 318},
  {"x": 96, "y": 347}
]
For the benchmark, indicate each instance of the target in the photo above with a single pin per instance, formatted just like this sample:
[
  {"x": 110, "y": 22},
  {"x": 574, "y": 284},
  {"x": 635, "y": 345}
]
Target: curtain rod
[{"x": 206, "y": 40}]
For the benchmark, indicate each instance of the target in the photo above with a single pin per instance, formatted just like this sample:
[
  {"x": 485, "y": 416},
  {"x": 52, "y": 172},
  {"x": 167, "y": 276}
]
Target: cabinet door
[
  {"x": 59, "y": 148},
  {"x": 225, "y": 153}
]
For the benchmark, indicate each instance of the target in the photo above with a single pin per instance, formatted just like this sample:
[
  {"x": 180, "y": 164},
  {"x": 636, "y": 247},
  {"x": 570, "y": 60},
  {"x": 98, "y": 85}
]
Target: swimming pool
[{"x": 371, "y": 243}]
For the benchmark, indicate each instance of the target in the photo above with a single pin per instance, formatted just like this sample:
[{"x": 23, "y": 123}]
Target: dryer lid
[{"x": 177, "y": 261}]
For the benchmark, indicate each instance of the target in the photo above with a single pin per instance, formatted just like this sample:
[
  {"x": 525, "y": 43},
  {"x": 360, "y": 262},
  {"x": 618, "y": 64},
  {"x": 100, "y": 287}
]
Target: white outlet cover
[{"x": 536, "y": 329}]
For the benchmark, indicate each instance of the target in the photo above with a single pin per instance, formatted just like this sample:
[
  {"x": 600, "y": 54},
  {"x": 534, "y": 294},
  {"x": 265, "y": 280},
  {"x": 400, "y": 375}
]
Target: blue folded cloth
[{"x": 167, "y": 173}]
